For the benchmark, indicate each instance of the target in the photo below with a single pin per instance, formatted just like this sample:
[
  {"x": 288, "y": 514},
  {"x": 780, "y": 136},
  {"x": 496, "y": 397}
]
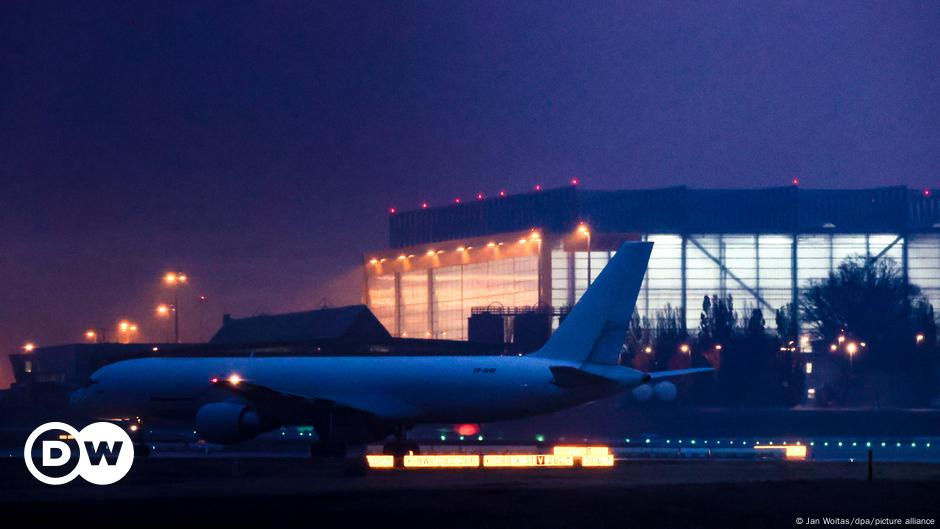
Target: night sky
[{"x": 258, "y": 147}]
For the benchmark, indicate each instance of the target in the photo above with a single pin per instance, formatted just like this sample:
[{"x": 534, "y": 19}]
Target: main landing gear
[
  {"x": 135, "y": 429},
  {"x": 401, "y": 446}
]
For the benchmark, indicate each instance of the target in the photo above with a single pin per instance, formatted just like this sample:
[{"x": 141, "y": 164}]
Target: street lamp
[
  {"x": 175, "y": 280},
  {"x": 126, "y": 330},
  {"x": 91, "y": 335},
  {"x": 585, "y": 232},
  {"x": 29, "y": 346},
  {"x": 163, "y": 311}
]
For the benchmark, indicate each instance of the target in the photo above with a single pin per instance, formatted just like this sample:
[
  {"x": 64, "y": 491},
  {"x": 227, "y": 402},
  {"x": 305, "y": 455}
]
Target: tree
[{"x": 867, "y": 299}]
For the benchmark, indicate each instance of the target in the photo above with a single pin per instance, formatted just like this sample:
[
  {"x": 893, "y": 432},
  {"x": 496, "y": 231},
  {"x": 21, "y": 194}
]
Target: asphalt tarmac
[{"x": 274, "y": 492}]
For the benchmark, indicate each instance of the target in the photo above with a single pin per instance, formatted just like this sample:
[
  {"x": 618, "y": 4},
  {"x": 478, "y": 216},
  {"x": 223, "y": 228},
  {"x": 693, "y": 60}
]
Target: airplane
[{"x": 353, "y": 401}]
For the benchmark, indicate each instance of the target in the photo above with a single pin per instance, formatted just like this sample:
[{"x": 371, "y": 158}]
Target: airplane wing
[
  {"x": 659, "y": 375},
  {"x": 283, "y": 401}
]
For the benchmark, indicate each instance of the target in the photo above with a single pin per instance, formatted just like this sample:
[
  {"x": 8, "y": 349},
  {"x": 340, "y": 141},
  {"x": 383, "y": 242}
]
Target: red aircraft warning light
[{"x": 575, "y": 181}]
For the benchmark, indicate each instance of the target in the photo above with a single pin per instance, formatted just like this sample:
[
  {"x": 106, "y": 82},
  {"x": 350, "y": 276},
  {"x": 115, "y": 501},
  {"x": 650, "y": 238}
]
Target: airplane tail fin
[{"x": 594, "y": 330}]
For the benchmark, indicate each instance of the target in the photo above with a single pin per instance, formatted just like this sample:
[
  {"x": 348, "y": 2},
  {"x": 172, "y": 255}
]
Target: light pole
[
  {"x": 175, "y": 280},
  {"x": 126, "y": 331},
  {"x": 585, "y": 232}
]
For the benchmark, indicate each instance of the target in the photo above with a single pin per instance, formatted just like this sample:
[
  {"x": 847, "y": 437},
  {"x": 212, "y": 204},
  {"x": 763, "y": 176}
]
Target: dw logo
[{"x": 106, "y": 453}]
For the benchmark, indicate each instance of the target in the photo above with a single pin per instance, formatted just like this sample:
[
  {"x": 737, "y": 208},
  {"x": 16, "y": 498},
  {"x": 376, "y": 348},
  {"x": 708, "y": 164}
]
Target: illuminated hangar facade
[{"x": 541, "y": 249}]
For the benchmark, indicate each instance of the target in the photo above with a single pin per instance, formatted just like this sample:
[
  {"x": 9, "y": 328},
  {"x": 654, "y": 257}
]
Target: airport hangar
[{"x": 512, "y": 254}]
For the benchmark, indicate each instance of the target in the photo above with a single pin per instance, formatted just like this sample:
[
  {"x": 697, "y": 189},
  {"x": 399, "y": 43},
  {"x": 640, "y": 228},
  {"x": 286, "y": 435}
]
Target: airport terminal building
[{"x": 542, "y": 248}]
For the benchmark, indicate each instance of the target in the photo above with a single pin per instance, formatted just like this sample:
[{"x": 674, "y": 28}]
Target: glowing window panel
[
  {"x": 606, "y": 460},
  {"x": 442, "y": 461},
  {"x": 380, "y": 461}
]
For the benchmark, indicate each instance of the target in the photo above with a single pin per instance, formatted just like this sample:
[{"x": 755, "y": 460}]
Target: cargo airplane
[{"x": 358, "y": 400}]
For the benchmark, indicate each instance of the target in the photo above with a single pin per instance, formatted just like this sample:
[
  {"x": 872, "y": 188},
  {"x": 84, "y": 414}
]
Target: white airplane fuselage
[{"x": 411, "y": 389}]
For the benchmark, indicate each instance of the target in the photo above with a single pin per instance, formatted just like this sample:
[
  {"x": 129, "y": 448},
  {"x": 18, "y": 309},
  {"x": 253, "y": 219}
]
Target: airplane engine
[
  {"x": 665, "y": 391},
  {"x": 643, "y": 393},
  {"x": 229, "y": 422}
]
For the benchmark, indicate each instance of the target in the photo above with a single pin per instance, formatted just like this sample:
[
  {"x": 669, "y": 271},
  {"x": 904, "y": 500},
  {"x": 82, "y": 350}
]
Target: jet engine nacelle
[
  {"x": 665, "y": 391},
  {"x": 229, "y": 422},
  {"x": 643, "y": 393}
]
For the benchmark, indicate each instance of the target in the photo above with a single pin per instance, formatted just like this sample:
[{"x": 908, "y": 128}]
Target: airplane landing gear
[
  {"x": 135, "y": 429},
  {"x": 401, "y": 446}
]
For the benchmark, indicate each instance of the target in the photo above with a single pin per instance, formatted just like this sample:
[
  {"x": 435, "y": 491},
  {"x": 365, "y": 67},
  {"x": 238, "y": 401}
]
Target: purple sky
[{"x": 257, "y": 146}]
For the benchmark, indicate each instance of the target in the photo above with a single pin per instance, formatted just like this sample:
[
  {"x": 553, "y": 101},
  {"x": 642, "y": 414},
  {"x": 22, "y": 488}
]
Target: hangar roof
[{"x": 788, "y": 209}]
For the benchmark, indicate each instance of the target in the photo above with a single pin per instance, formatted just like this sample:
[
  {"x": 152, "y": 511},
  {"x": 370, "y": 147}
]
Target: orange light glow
[
  {"x": 90, "y": 334},
  {"x": 580, "y": 451},
  {"x": 527, "y": 460},
  {"x": 234, "y": 379},
  {"x": 163, "y": 310},
  {"x": 851, "y": 348},
  {"x": 648, "y": 350},
  {"x": 919, "y": 338},
  {"x": 442, "y": 461},
  {"x": 490, "y": 244},
  {"x": 29, "y": 346},
  {"x": 684, "y": 348},
  {"x": 606, "y": 460},
  {"x": 170, "y": 278},
  {"x": 791, "y": 452},
  {"x": 380, "y": 461},
  {"x": 833, "y": 347}
]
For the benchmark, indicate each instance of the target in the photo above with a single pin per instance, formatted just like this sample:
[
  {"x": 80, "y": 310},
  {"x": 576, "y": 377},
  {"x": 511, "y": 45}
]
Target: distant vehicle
[{"x": 358, "y": 400}]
